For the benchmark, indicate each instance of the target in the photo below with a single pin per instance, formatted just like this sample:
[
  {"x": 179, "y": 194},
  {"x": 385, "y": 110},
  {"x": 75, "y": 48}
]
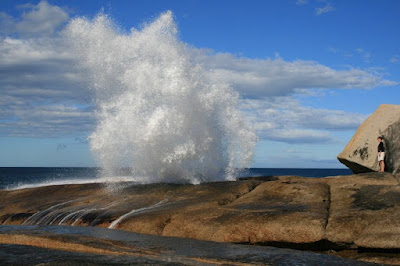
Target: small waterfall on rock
[
  {"x": 92, "y": 211},
  {"x": 69, "y": 213},
  {"x": 133, "y": 212},
  {"x": 38, "y": 217},
  {"x": 158, "y": 113}
]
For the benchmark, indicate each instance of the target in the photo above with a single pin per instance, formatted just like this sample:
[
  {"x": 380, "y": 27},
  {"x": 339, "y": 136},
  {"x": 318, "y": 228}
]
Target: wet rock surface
[
  {"x": 360, "y": 154},
  {"x": 29, "y": 255},
  {"x": 94, "y": 246},
  {"x": 354, "y": 213}
]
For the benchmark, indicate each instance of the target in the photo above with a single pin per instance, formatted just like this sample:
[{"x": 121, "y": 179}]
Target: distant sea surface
[{"x": 24, "y": 177}]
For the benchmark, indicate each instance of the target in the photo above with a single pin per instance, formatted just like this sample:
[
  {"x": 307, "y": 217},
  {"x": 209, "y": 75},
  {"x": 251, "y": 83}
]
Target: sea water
[{"x": 26, "y": 177}]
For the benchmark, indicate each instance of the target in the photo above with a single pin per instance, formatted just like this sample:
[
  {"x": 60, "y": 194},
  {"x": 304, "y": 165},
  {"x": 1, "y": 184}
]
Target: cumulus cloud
[
  {"x": 285, "y": 119},
  {"x": 296, "y": 135},
  {"x": 38, "y": 70},
  {"x": 277, "y": 77},
  {"x": 20, "y": 120},
  {"x": 42, "y": 95},
  {"x": 40, "y": 19}
]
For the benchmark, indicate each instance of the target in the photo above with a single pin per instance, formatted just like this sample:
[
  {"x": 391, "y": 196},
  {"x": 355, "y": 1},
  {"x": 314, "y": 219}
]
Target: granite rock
[
  {"x": 360, "y": 154},
  {"x": 49, "y": 245},
  {"x": 346, "y": 212}
]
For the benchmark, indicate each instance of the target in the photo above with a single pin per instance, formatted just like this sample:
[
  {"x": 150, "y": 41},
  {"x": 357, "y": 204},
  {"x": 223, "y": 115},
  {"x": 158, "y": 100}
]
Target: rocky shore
[
  {"x": 356, "y": 216},
  {"x": 74, "y": 245}
]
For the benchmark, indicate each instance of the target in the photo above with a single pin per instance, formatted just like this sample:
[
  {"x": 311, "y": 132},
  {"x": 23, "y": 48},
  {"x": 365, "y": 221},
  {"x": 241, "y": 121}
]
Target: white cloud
[
  {"x": 290, "y": 151},
  {"x": 277, "y": 77},
  {"x": 300, "y": 136},
  {"x": 39, "y": 70},
  {"x": 284, "y": 119},
  {"x": 322, "y": 10},
  {"x": 40, "y": 92},
  {"x": 42, "y": 95},
  {"x": 45, "y": 120},
  {"x": 40, "y": 19}
]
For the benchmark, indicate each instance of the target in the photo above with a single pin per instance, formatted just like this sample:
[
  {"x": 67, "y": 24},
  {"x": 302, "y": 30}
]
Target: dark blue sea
[{"x": 23, "y": 177}]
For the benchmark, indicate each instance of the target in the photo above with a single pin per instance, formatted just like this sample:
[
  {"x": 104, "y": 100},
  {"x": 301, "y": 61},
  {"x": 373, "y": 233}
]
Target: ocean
[{"x": 25, "y": 177}]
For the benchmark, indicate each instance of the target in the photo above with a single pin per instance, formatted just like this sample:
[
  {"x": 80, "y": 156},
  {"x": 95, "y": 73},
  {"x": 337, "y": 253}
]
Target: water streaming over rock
[
  {"x": 72, "y": 212},
  {"x": 135, "y": 211},
  {"x": 158, "y": 112},
  {"x": 37, "y": 217}
]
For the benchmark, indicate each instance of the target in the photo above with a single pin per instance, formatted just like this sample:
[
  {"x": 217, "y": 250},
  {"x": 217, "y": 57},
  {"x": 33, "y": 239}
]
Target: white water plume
[{"x": 158, "y": 112}]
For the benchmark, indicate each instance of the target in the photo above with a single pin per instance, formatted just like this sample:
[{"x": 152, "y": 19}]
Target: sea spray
[{"x": 158, "y": 112}]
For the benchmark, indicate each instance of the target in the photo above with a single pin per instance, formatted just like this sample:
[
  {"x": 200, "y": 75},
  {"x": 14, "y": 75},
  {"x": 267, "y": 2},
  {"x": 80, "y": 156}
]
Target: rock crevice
[
  {"x": 328, "y": 208},
  {"x": 232, "y": 198}
]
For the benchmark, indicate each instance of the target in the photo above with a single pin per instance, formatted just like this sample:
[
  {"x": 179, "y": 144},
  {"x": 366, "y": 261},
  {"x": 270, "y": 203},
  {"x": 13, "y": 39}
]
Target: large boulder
[{"x": 360, "y": 154}]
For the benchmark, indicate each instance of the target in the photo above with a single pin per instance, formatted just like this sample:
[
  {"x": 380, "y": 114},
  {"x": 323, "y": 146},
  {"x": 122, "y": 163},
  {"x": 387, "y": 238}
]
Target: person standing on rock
[{"x": 381, "y": 154}]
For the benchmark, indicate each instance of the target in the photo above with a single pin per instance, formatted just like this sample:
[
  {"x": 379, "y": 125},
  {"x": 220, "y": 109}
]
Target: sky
[{"x": 308, "y": 72}]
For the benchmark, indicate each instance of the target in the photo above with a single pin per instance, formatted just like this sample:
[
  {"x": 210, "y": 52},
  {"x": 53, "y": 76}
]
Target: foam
[{"x": 103, "y": 179}]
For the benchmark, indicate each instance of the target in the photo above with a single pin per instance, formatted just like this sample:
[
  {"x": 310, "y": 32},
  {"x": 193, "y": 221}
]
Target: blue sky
[{"x": 321, "y": 68}]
